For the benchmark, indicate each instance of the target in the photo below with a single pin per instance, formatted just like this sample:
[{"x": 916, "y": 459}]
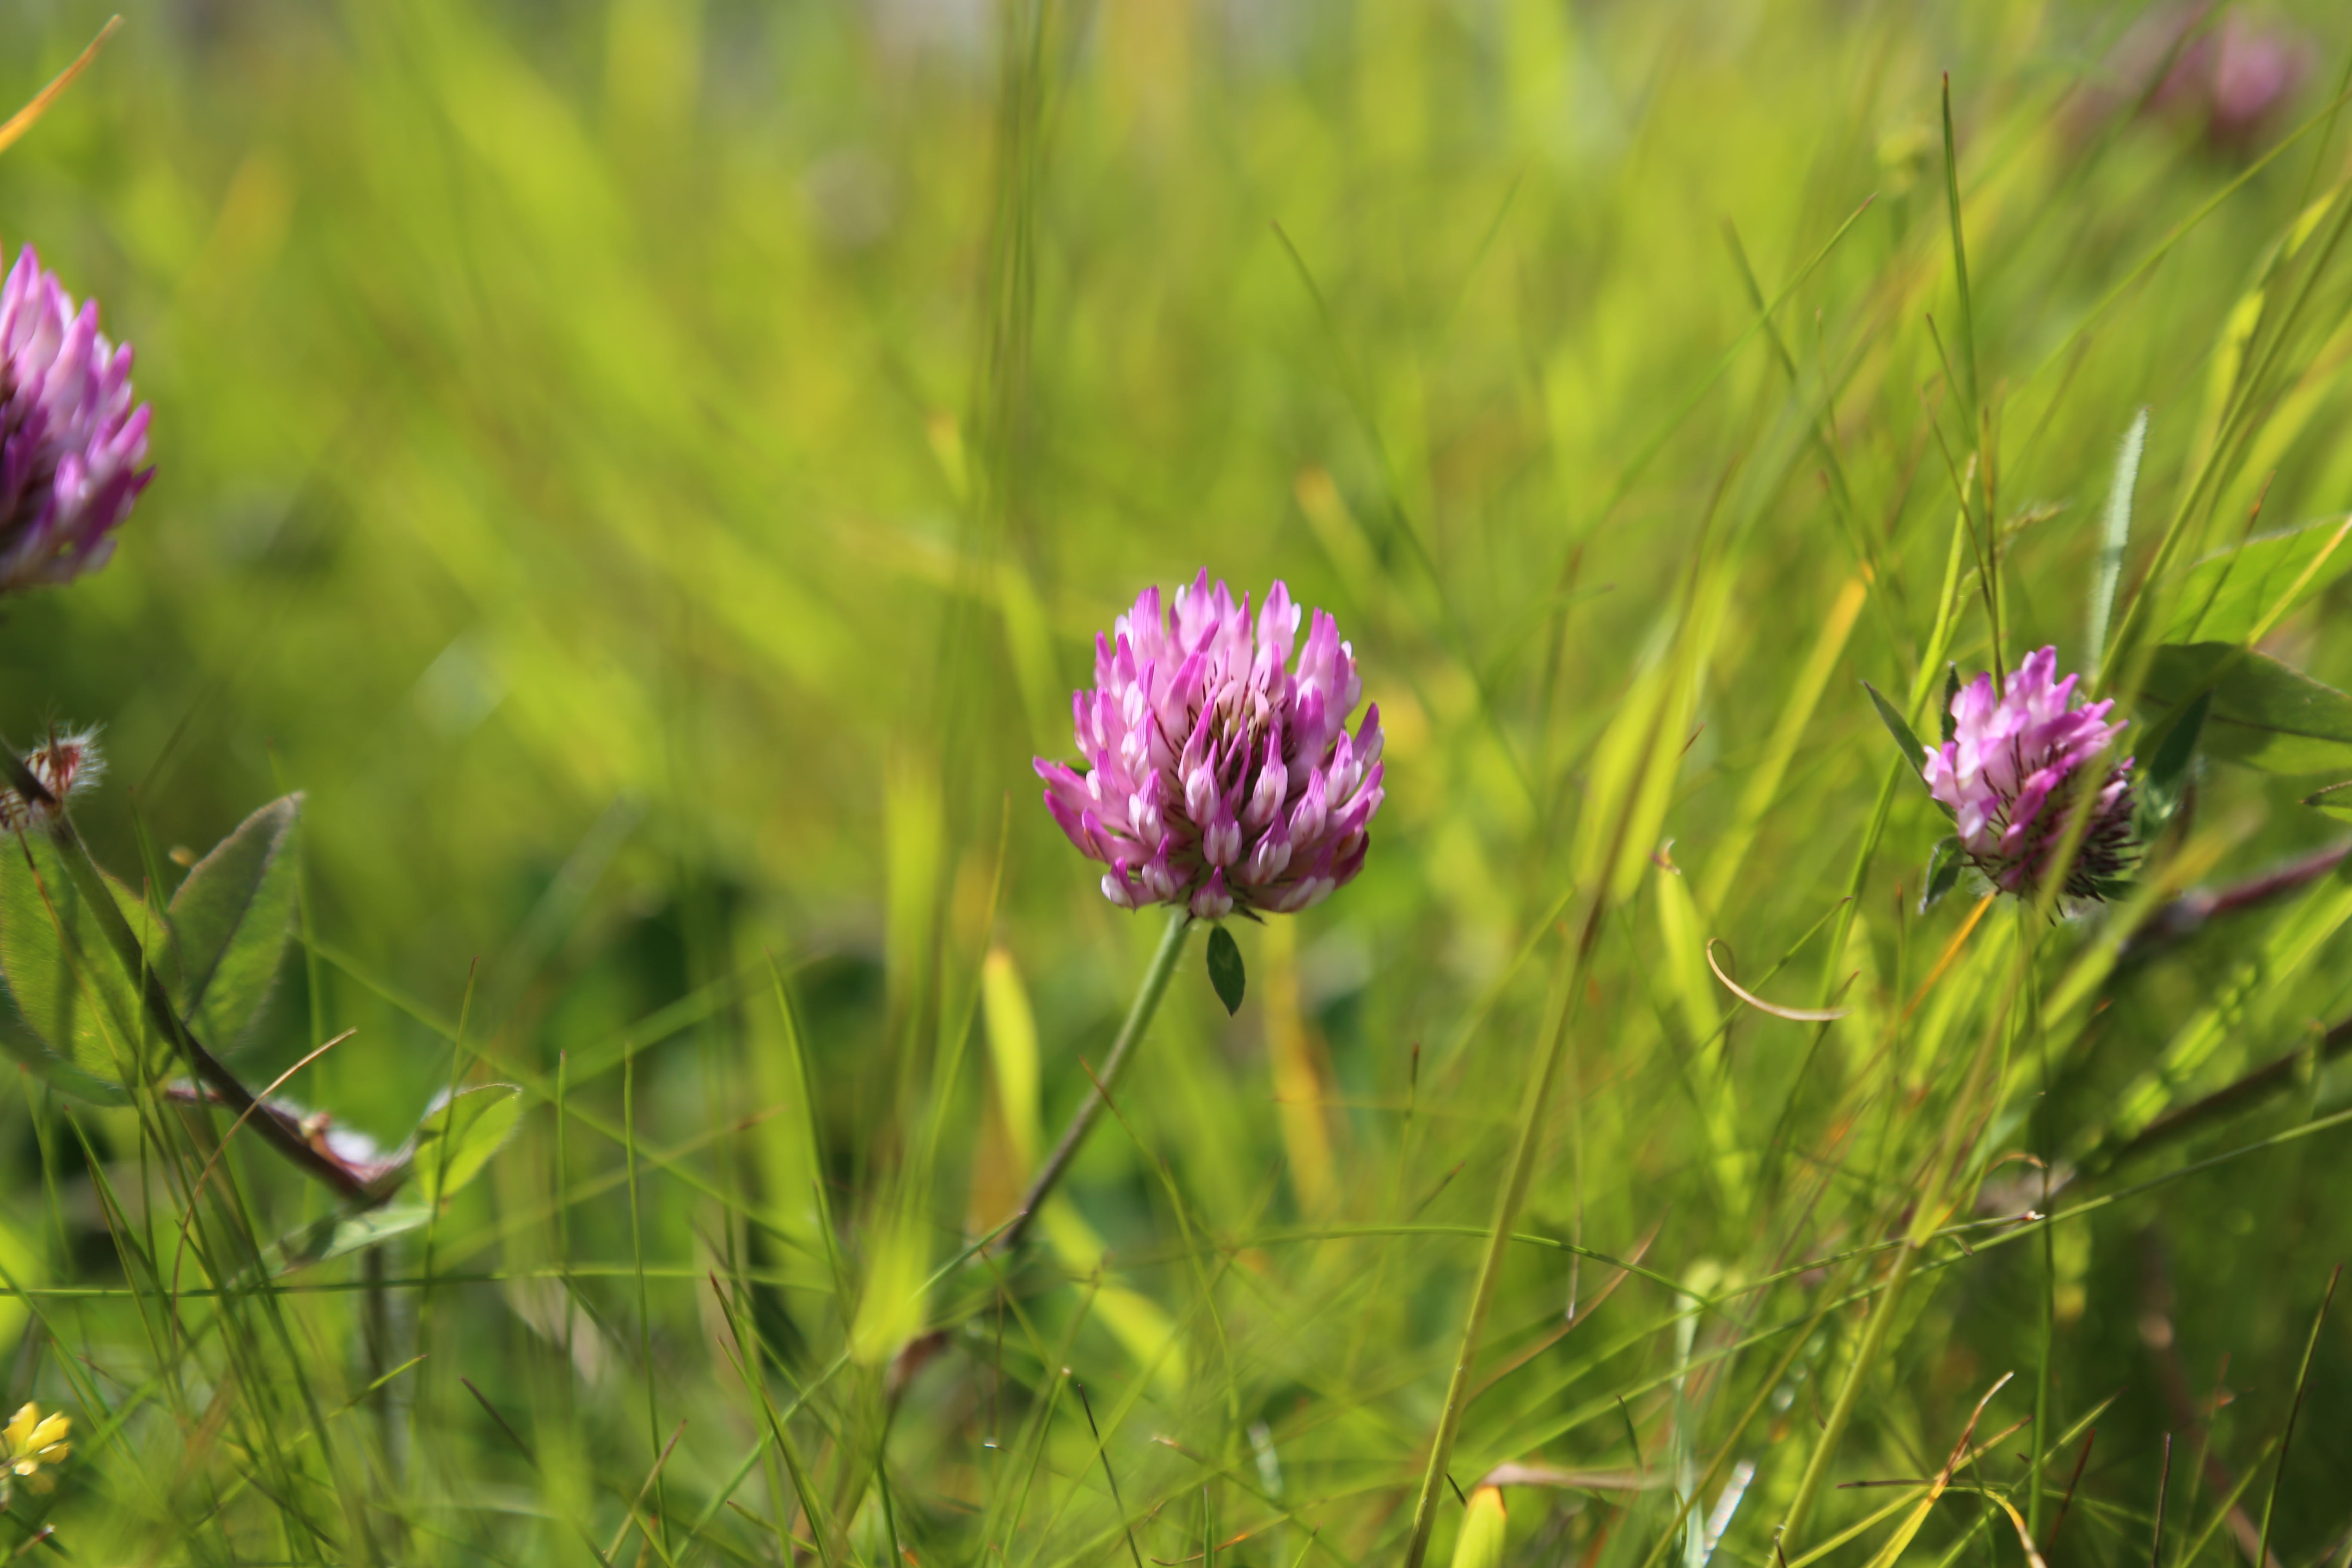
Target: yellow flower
[{"x": 33, "y": 1442}]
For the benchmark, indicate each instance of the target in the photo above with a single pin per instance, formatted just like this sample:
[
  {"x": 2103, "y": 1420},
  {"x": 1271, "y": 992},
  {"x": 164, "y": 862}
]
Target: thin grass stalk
[
  {"x": 1138, "y": 1019},
  {"x": 1490, "y": 1271}
]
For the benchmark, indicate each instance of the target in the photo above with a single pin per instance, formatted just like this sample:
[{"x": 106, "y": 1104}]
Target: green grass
[{"x": 650, "y": 475}]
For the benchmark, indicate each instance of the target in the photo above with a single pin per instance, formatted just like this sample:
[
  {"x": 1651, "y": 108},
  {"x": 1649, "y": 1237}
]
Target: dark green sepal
[
  {"x": 1225, "y": 970},
  {"x": 1945, "y": 862}
]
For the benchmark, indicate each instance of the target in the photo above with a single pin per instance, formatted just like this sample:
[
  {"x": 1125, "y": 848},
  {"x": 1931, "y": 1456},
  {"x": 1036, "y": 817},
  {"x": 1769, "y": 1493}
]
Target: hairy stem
[
  {"x": 280, "y": 1131},
  {"x": 1138, "y": 1019}
]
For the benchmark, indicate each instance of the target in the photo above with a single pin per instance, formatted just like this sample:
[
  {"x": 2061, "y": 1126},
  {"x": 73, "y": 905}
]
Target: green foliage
[
  {"x": 2164, "y": 779},
  {"x": 74, "y": 1003},
  {"x": 334, "y": 1235},
  {"x": 2263, "y": 714},
  {"x": 2115, "y": 537},
  {"x": 1913, "y": 752},
  {"x": 2238, "y": 594},
  {"x": 229, "y": 921},
  {"x": 1225, "y": 972},
  {"x": 458, "y": 1137},
  {"x": 1945, "y": 863}
]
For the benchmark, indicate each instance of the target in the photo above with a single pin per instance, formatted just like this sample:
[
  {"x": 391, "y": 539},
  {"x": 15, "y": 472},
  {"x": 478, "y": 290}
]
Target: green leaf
[
  {"x": 458, "y": 1136},
  {"x": 333, "y": 1235},
  {"x": 231, "y": 919},
  {"x": 1912, "y": 749},
  {"x": 2166, "y": 778},
  {"x": 2336, "y": 800},
  {"x": 73, "y": 1004},
  {"x": 1945, "y": 862},
  {"x": 2231, "y": 595},
  {"x": 1951, "y": 697},
  {"x": 65, "y": 1076},
  {"x": 2264, "y": 715},
  {"x": 2115, "y": 535},
  {"x": 1225, "y": 969}
]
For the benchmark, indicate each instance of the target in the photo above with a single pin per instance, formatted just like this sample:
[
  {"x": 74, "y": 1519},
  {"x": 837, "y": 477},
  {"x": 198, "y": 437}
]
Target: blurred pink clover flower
[{"x": 71, "y": 444}]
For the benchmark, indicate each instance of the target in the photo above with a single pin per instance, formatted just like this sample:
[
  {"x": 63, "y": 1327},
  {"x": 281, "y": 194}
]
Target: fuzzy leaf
[
  {"x": 73, "y": 1005},
  {"x": 2229, "y": 596},
  {"x": 2115, "y": 535},
  {"x": 458, "y": 1136},
  {"x": 2264, "y": 715},
  {"x": 231, "y": 917},
  {"x": 1225, "y": 969}
]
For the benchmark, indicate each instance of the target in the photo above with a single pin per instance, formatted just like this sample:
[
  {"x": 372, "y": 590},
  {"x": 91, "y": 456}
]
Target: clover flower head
[
  {"x": 2019, "y": 765},
  {"x": 66, "y": 763},
  {"x": 71, "y": 444},
  {"x": 33, "y": 1440},
  {"x": 1220, "y": 776}
]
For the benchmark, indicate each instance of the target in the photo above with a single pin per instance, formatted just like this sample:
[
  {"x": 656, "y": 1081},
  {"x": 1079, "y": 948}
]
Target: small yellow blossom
[{"x": 33, "y": 1442}]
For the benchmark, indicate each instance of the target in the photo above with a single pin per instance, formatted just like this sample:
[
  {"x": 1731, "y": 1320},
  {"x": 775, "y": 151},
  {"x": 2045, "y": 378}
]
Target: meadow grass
[{"x": 649, "y": 475}]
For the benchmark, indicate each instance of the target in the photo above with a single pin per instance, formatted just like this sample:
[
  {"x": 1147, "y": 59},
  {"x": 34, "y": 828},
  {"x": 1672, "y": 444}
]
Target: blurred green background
[{"x": 651, "y": 473}]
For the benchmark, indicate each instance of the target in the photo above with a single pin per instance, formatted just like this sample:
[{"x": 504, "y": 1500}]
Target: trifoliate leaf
[
  {"x": 231, "y": 917},
  {"x": 1225, "y": 969},
  {"x": 2265, "y": 715}
]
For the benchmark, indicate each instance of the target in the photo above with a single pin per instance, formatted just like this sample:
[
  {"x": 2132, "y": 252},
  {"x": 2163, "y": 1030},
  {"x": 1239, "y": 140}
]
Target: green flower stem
[
  {"x": 1138, "y": 1019},
  {"x": 274, "y": 1126},
  {"x": 1490, "y": 1272}
]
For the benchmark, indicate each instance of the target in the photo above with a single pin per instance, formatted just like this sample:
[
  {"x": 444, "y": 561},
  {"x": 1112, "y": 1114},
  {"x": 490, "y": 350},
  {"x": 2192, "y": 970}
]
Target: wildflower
[
  {"x": 1219, "y": 778},
  {"x": 2015, "y": 769},
  {"x": 2228, "y": 78},
  {"x": 66, "y": 763},
  {"x": 70, "y": 443},
  {"x": 33, "y": 1441}
]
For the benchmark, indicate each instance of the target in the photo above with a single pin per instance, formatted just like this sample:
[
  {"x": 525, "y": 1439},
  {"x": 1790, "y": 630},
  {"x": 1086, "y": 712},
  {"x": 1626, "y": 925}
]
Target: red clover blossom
[
  {"x": 70, "y": 443},
  {"x": 1218, "y": 778},
  {"x": 2015, "y": 769}
]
